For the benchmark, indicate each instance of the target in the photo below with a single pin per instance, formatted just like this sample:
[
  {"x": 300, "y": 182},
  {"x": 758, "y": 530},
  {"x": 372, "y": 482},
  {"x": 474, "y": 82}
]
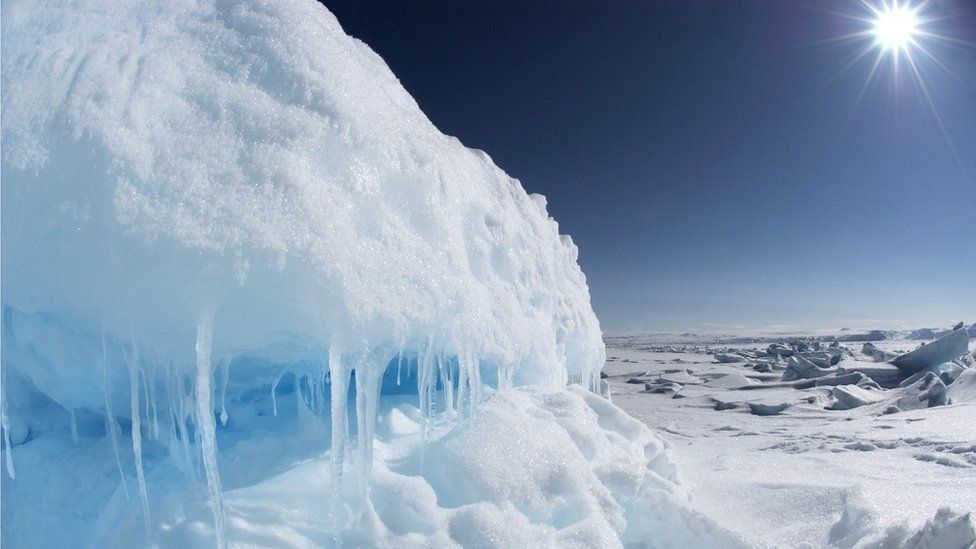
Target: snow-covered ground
[{"x": 788, "y": 479}]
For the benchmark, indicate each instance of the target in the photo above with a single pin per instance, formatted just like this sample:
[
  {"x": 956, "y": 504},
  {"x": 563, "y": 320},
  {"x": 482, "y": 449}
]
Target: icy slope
[{"x": 204, "y": 200}]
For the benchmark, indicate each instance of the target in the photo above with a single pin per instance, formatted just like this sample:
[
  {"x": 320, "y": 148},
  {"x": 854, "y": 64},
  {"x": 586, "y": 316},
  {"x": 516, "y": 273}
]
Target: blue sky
[{"x": 716, "y": 171}]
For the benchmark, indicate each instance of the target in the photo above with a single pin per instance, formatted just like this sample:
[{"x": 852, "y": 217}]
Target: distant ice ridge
[{"x": 204, "y": 201}]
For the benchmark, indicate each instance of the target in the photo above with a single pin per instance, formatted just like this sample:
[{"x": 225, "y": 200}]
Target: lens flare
[
  {"x": 896, "y": 28},
  {"x": 902, "y": 40}
]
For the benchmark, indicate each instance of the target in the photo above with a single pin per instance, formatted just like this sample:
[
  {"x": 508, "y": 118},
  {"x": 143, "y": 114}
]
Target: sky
[{"x": 716, "y": 164}]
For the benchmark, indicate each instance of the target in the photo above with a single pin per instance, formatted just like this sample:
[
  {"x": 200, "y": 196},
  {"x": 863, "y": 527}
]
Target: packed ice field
[{"x": 809, "y": 462}]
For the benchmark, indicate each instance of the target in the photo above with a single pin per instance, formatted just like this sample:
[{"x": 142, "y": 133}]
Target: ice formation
[
  {"x": 208, "y": 206},
  {"x": 945, "y": 349}
]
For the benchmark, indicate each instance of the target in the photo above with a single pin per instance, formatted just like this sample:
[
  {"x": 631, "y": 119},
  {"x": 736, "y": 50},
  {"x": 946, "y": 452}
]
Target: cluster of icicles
[{"x": 448, "y": 387}]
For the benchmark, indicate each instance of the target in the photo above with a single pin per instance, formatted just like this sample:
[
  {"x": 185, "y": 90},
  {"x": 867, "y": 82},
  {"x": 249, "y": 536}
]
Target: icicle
[
  {"x": 501, "y": 372},
  {"x": 5, "y": 422},
  {"x": 151, "y": 389},
  {"x": 9, "y": 461},
  {"x": 443, "y": 367},
  {"x": 206, "y": 426},
  {"x": 426, "y": 386},
  {"x": 399, "y": 365},
  {"x": 302, "y": 405},
  {"x": 173, "y": 439},
  {"x": 464, "y": 387},
  {"x": 451, "y": 376},
  {"x": 179, "y": 431},
  {"x": 339, "y": 376},
  {"x": 182, "y": 426},
  {"x": 469, "y": 382},
  {"x": 175, "y": 444},
  {"x": 225, "y": 375},
  {"x": 475, "y": 379},
  {"x": 423, "y": 387},
  {"x": 145, "y": 392},
  {"x": 313, "y": 394},
  {"x": 74, "y": 425},
  {"x": 274, "y": 387},
  {"x": 136, "y": 432},
  {"x": 322, "y": 391},
  {"x": 432, "y": 382},
  {"x": 274, "y": 399},
  {"x": 369, "y": 373},
  {"x": 112, "y": 427}
]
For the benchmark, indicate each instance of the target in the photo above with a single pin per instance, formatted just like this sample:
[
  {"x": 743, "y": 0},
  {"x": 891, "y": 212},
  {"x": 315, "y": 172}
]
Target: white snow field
[
  {"x": 253, "y": 297},
  {"x": 783, "y": 465}
]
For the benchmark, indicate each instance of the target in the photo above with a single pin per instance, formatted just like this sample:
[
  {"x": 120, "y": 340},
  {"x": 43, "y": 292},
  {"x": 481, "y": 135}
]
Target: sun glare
[
  {"x": 895, "y": 28},
  {"x": 901, "y": 39}
]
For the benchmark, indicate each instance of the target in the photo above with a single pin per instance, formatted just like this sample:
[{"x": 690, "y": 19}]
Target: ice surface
[
  {"x": 798, "y": 367},
  {"x": 945, "y": 349},
  {"x": 852, "y": 396},
  {"x": 886, "y": 375},
  {"x": 237, "y": 207},
  {"x": 878, "y": 355}
]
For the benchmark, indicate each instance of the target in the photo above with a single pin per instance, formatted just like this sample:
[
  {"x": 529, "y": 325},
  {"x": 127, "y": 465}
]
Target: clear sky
[{"x": 714, "y": 168}]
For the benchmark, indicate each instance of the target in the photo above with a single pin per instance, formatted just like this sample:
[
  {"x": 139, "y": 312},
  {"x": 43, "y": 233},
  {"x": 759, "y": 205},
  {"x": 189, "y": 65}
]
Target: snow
[
  {"x": 821, "y": 472},
  {"x": 963, "y": 389},
  {"x": 546, "y": 467}
]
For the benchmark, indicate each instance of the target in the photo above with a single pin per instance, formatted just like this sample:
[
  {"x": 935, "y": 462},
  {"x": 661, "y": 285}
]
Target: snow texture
[{"x": 167, "y": 161}]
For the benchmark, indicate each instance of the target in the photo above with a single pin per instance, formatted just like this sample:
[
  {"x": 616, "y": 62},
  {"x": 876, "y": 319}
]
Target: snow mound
[
  {"x": 963, "y": 389},
  {"x": 537, "y": 467},
  {"x": 946, "y": 529}
]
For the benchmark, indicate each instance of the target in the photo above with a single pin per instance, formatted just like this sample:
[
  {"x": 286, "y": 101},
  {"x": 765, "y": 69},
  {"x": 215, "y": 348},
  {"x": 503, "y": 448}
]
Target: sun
[
  {"x": 896, "y": 27},
  {"x": 902, "y": 39}
]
